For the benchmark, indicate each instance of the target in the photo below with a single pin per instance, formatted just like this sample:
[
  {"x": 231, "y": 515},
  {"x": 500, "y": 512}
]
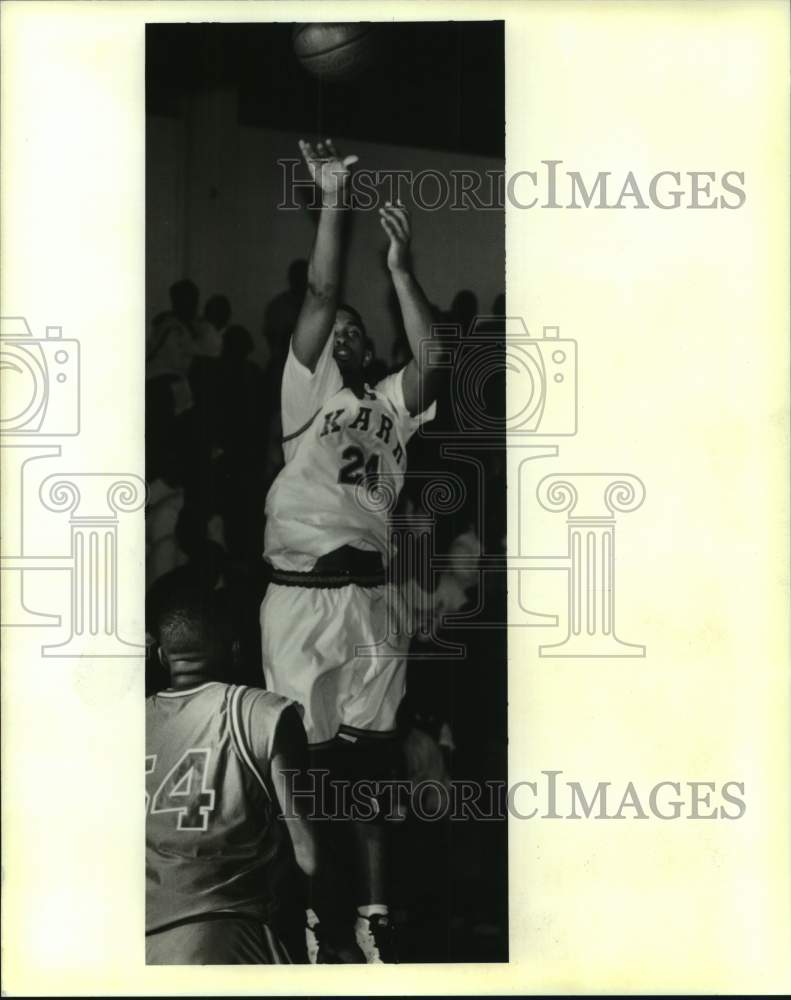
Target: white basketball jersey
[{"x": 336, "y": 448}]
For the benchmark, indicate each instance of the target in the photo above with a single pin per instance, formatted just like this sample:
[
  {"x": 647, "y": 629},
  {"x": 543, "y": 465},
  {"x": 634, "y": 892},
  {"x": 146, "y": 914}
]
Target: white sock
[
  {"x": 373, "y": 908},
  {"x": 311, "y": 917}
]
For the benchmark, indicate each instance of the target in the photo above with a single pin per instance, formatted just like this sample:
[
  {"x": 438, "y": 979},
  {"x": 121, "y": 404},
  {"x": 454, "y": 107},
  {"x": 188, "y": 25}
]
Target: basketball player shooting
[{"x": 327, "y": 551}]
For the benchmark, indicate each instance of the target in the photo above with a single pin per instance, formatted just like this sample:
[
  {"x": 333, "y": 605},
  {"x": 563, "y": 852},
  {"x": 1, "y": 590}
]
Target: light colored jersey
[
  {"x": 219, "y": 941},
  {"x": 335, "y": 444},
  {"x": 212, "y": 832}
]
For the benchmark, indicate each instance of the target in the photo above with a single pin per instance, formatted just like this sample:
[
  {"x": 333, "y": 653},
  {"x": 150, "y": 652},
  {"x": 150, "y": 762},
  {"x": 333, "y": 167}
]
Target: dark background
[{"x": 438, "y": 85}]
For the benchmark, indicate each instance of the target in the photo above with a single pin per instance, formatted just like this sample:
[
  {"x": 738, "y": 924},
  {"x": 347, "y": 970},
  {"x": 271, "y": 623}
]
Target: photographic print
[
  {"x": 394, "y": 420},
  {"x": 325, "y": 411}
]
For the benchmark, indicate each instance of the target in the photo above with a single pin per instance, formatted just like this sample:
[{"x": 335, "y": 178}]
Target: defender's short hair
[{"x": 190, "y": 620}]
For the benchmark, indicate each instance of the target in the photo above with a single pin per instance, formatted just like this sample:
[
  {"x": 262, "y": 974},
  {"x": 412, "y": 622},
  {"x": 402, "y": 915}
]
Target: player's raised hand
[
  {"x": 328, "y": 169},
  {"x": 395, "y": 222}
]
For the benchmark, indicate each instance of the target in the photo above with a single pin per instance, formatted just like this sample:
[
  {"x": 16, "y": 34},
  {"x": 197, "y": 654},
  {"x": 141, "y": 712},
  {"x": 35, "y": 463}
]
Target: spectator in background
[
  {"x": 495, "y": 321},
  {"x": 212, "y": 325},
  {"x": 242, "y": 412},
  {"x": 463, "y": 309},
  {"x": 184, "y": 301},
  {"x": 280, "y": 318},
  {"x": 169, "y": 439},
  {"x": 184, "y": 298},
  {"x": 217, "y": 311},
  {"x": 201, "y": 518}
]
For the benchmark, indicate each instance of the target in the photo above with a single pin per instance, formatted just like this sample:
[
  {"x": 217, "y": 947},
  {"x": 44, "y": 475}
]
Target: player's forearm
[
  {"x": 324, "y": 267},
  {"x": 415, "y": 311},
  {"x": 290, "y": 778},
  {"x": 321, "y": 296}
]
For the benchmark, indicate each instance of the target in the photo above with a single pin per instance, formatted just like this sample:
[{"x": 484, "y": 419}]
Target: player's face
[{"x": 349, "y": 348}]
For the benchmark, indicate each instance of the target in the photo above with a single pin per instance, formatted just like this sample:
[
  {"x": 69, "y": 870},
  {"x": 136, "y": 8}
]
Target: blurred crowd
[{"x": 212, "y": 452}]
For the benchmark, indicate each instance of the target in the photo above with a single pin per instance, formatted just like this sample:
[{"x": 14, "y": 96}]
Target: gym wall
[{"x": 213, "y": 188}]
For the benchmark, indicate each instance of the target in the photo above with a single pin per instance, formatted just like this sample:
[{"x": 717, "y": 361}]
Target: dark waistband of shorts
[{"x": 342, "y": 567}]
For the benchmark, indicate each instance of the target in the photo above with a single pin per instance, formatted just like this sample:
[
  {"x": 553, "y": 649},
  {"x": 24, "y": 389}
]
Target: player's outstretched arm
[
  {"x": 419, "y": 384},
  {"x": 317, "y": 315},
  {"x": 289, "y": 773}
]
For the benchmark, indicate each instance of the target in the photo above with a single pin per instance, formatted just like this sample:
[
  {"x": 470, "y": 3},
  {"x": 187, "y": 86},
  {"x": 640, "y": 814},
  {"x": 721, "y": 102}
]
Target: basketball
[{"x": 335, "y": 51}]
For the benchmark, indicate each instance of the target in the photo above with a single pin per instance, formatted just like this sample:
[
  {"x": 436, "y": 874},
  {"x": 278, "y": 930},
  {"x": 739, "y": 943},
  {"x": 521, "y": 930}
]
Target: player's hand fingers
[
  {"x": 307, "y": 151},
  {"x": 397, "y": 221},
  {"x": 321, "y": 150},
  {"x": 331, "y": 148},
  {"x": 399, "y": 210},
  {"x": 349, "y": 160},
  {"x": 405, "y": 215},
  {"x": 388, "y": 227}
]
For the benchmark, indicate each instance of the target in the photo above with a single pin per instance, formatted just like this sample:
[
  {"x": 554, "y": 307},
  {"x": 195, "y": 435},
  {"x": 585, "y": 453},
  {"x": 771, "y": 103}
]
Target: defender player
[
  {"x": 326, "y": 545},
  {"x": 217, "y": 757}
]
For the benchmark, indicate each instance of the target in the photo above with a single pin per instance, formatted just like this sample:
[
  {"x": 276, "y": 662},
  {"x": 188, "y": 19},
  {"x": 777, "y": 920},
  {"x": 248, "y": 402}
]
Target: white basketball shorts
[{"x": 336, "y": 651}]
